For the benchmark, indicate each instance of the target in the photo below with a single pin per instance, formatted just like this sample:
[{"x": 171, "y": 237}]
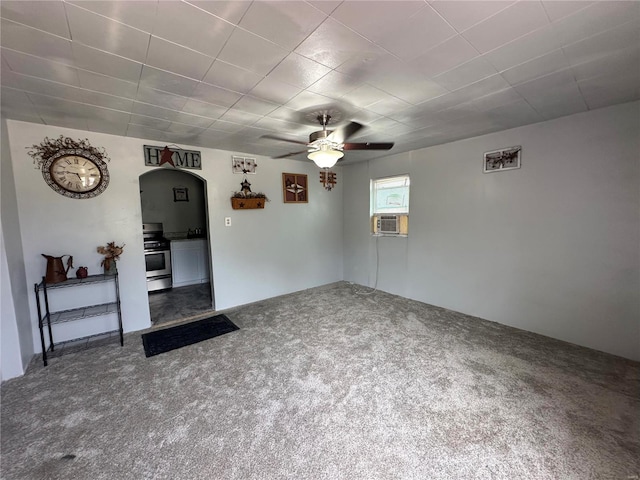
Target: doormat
[{"x": 168, "y": 339}]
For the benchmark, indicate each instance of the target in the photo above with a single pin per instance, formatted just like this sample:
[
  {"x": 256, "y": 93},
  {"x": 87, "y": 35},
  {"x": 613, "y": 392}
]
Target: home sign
[{"x": 174, "y": 157}]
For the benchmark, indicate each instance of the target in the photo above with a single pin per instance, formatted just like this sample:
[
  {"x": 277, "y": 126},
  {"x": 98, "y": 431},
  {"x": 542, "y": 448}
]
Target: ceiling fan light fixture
[{"x": 325, "y": 157}]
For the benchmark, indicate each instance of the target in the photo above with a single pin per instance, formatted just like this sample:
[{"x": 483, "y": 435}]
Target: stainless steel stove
[{"x": 157, "y": 257}]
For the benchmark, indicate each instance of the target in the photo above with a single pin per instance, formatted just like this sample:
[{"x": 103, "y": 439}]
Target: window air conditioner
[{"x": 388, "y": 224}]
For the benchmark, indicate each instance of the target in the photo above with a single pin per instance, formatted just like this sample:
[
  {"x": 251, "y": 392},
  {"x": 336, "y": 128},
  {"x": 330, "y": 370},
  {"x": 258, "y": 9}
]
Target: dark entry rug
[{"x": 162, "y": 341}]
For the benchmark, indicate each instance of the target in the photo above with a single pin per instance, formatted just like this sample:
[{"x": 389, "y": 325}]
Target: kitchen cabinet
[{"x": 189, "y": 262}]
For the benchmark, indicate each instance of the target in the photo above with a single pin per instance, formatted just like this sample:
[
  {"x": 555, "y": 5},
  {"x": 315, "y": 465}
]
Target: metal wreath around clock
[{"x": 77, "y": 172}]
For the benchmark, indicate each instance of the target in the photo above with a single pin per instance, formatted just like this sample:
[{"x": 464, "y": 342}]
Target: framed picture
[
  {"x": 294, "y": 188},
  {"x": 180, "y": 194},
  {"x": 501, "y": 160},
  {"x": 243, "y": 164}
]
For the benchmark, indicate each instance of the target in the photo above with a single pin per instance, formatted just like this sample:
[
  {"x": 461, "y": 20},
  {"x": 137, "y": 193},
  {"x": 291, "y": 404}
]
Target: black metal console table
[{"x": 48, "y": 318}]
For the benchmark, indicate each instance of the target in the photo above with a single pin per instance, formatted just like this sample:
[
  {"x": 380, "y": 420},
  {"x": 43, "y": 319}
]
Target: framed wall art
[
  {"x": 295, "y": 188},
  {"x": 503, "y": 159},
  {"x": 243, "y": 165},
  {"x": 180, "y": 194}
]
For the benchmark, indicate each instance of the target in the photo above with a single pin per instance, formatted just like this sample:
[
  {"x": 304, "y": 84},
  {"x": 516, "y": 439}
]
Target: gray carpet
[{"x": 325, "y": 384}]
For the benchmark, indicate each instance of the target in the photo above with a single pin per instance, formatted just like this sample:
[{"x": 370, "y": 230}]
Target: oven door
[{"x": 158, "y": 263}]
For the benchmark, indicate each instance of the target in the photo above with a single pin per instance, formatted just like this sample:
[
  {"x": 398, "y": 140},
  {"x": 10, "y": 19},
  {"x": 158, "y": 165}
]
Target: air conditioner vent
[{"x": 388, "y": 224}]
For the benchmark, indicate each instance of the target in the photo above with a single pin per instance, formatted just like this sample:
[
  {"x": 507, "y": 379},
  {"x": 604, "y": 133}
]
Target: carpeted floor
[{"x": 325, "y": 384}]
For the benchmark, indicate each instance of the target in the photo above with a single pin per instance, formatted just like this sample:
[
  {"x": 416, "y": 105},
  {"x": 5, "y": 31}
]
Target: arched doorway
[{"x": 177, "y": 199}]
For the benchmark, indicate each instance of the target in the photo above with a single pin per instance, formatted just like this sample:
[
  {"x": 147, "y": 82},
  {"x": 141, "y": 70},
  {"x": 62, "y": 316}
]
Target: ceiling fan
[{"x": 326, "y": 147}]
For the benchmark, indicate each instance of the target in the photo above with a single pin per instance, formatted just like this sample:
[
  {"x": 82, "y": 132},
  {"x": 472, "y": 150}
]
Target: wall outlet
[{"x": 227, "y": 221}]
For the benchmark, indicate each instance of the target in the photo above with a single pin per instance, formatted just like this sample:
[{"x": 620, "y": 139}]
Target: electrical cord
[{"x": 355, "y": 290}]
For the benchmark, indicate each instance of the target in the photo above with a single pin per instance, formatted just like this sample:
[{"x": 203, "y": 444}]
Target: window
[
  {"x": 390, "y": 195},
  {"x": 390, "y": 206}
]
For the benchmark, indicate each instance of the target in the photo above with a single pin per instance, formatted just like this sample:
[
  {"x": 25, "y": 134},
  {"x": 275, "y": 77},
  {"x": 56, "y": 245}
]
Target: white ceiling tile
[
  {"x": 108, "y": 101},
  {"x": 299, "y": 71},
  {"x": 547, "y": 83},
  {"x": 604, "y": 44},
  {"x": 334, "y": 84},
  {"x": 567, "y": 101},
  {"x": 95, "y": 124},
  {"x": 148, "y": 133},
  {"x": 251, "y": 52},
  {"x": 407, "y": 87},
  {"x": 374, "y": 19},
  {"x": 40, "y": 67},
  {"x": 167, "y": 81},
  {"x": 106, "y": 84},
  {"x": 35, "y": 42},
  {"x": 44, "y": 87},
  {"x": 412, "y": 38},
  {"x": 154, "y": 111},
  {"x": 514, "y": 114},
  {"x": 366, "y": 95},
  {"x": 106, "y": 115},
  {"x": 622, "y": 63},
  {"x": 275, "y": 91},
  {"x": 177, "y": 59},
  {"x": 611, "y": 88},
  {"x": 216, "y": 95},
  {"x": 326, "y": 6},
  {"x": 465, "y": 74},
  {"x": 160, "y": 98},
  {"x": 286, "y": 114},
  {"x": 284, "y": 23},
  {"x": 497, "y": 99},
  {"x": 445, "y": 56},
  {"x": 137, "y": 14},
  {"x": 332, "y": 44},
  {"x": 97, "y": 61},
  {"x": 553, "y": 95},
  {"x": 538, "y": 67},
  {"x": 465, "y": 14},
  {"x": 240, "y": 117},
  {"x": 507, "y": 25},
  {"x": 255, "y": 105},
  {"x": 527, "y": 47},
  {"x": 281, "y": 127},
  {"x": 183, "y": 129},
  {"x": 48, "y": 16},
  {"x": 231, "y": 77},
  {"x": 226, "y": 126},
  {"x": 488, "y": 85},
  {"x": 230, "y": 10},
  {"x": 105, "y": 34},
  {"x": 206, "y": 33},
  {"x": 387, "y": 105},
  {"x": 151, "y": 122},
  {"x": 596, "y": 18},
  {"x": 64, "y": 119},
  {"x": 17, "y": 100},
  {"x": 308, "y": 100},
  {"x": 557, "y": 9},
  {"x": 203, "y": 109}
]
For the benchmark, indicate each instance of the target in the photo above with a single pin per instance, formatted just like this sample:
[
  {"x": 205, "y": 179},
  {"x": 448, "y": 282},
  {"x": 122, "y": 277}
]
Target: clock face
[{"x": 76, "y": 174}]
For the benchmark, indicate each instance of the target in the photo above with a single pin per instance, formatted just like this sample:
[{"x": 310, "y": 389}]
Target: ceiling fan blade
[
  {"x": 283, "y": 139},
  {"x": 368, "y": 146},
  {"x": 340, "y": 134},
  {"x": 290, "y": 154}
]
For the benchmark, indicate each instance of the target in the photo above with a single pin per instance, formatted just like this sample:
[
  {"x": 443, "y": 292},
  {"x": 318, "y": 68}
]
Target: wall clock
[{"x": 73, "y": 169}]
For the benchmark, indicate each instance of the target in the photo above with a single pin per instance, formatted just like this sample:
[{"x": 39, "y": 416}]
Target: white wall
[
  {"x": 553, "y": 247},
  {"x": 277, "y": 250},
  {"x": 15, "y": 328}
]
